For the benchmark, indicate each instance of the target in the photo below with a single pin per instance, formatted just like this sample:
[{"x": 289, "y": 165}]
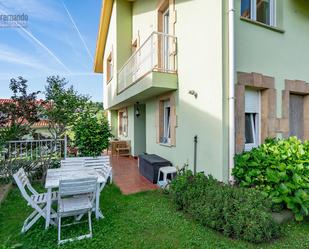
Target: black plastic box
[{"x": 149, "y": 165}]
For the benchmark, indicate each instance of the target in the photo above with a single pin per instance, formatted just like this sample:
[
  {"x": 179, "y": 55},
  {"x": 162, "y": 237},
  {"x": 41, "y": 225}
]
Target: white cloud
[{"x": 14, "y": 56}]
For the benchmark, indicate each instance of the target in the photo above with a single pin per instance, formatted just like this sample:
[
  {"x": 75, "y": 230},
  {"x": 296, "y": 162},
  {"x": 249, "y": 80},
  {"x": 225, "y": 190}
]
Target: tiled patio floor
[{"x": 127, "y": 177}]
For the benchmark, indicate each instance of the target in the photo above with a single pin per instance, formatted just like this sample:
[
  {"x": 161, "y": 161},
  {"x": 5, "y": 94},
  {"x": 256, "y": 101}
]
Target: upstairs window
[
  {"x": 109, "y": 68},
  {"x": 263, "y": 11}
]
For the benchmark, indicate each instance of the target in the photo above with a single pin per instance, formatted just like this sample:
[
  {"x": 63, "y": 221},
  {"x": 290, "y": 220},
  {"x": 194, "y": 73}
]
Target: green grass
[{"x": 144, "y": 220}]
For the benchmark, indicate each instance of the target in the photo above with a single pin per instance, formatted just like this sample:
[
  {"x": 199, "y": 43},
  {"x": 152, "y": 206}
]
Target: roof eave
[{"x": 106, "y": 12}]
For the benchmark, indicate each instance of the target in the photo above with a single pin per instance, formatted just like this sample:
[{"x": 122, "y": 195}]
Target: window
[
  {"x": 123, "y": 122},
  {"x": 263, "y": 11},
  {"x": 166, "y": 138},
  {"x": 109, "y": 68},
  {"x": 166, "y": 120},
  {"x": 296, "y": 116},
  {"x": 252, "y": 119}
]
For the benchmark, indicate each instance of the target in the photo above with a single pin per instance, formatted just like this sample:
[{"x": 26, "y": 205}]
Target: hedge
[{"x": 236, "y": 212}]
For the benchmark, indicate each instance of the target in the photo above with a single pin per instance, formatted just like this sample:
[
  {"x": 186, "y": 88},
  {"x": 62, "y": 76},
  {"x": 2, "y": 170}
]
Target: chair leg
[
  {"x": 89, "y": 222},
  {"x": 29, "y": 221},
  {"x": 59, "y": 229}
]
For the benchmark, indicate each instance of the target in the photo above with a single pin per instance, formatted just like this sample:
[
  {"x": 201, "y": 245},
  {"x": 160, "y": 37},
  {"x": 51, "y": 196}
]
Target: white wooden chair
[
  {"x": 97, "y": 162},
  {"x": 94, "y": 162},
  {"x": 72, "y": 163},
  {"x": 36, "y": 200},
  {"x": 76, "y": 197}
]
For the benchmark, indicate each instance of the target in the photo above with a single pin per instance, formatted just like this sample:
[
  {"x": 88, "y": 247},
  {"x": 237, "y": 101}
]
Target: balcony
[{"x": 149, "y": 72}]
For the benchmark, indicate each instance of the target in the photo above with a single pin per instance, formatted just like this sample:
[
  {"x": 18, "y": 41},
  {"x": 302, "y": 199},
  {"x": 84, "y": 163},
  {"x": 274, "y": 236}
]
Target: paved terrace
[{"x": 127, "y": 177}]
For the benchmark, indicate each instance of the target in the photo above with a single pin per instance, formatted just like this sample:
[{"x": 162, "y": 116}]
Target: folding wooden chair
[
  {"x": 100, "y": 162},
  {"x": 36, "y": 200},
  {"x": 76, "y": 197}
]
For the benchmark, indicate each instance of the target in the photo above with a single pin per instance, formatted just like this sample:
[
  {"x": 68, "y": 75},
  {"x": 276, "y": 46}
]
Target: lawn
[{"x": 144, "y": 220}]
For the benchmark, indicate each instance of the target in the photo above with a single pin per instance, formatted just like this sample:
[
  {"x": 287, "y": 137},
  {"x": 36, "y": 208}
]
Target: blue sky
[{"x": 59, "y": 39}]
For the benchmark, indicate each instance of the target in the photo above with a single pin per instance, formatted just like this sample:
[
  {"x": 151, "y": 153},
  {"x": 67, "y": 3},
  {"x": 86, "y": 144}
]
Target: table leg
[
  {"x": 98, "y": 213},
  {"x": 48, "y": 207}
]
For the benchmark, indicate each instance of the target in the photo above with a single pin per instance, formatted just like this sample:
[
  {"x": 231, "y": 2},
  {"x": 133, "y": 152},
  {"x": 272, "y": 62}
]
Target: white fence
[
  {"x": 33, "y": 149},
  {"x": 157, "y": 53}
]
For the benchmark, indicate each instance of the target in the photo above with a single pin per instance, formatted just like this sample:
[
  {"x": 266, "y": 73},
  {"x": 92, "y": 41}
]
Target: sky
[{"x": 59, "y": 38}]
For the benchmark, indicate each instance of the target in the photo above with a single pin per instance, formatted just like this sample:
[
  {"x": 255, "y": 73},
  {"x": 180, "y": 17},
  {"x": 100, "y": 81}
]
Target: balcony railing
[{"x": 157, "y": 53}]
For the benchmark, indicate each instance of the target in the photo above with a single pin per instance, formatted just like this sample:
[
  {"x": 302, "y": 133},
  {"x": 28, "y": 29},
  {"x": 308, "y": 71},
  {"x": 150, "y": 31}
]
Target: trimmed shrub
[
  {"x": 280, "y": 169},
  {"x": 236, "y": 212}
]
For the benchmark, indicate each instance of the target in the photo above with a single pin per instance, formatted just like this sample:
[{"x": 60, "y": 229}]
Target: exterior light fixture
[
  {"x": 194, "y": 93},
  {"x": 137, "y": 111}
]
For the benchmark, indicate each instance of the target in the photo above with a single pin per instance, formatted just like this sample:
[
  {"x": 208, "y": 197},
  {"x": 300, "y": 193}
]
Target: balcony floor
[{"x": 126, "y": 176}]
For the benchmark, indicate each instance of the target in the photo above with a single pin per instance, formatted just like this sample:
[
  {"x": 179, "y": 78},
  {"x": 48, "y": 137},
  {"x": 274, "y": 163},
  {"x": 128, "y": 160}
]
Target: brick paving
[{"x": 126, "y": 176}]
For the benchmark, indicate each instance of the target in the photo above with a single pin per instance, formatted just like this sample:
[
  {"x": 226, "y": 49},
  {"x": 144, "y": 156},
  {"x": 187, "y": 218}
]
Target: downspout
[{"x": 231, "y": 85}]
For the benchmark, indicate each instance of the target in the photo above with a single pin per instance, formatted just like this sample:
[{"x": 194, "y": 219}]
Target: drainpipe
[{"x": 231, "y": 83}]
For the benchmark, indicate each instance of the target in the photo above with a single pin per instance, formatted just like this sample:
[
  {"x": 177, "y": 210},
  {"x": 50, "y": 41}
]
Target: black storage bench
[{"x": 149, "y": 165}]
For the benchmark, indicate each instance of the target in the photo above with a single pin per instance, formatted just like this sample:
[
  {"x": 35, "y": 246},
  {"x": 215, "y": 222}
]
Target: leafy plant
[
  {"x": 63, "y": 105},
  {"x": 92, "y": 133},
  {"x": 19, "y": 114},
  {"x": 236, "y": 212},
  {"x": 280, "y": 169}
]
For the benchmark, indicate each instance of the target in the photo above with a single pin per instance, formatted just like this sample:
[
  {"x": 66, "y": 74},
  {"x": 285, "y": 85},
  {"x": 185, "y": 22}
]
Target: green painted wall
[
  {"x": 140, "y": 130},
  {"x": 124, "y": 31},
  {"x": 114, "y": 122},
  {"x": 280, "y": 55}
]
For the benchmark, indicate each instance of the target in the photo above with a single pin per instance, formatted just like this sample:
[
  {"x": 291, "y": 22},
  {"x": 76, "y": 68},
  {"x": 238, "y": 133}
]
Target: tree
[
  {"x": 92, "y": 132},
  {"x": 18, "y": 115},
  {"x": 63, "y": 105}
]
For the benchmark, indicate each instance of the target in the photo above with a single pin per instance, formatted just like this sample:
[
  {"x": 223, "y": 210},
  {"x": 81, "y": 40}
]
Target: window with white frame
[
  {"x": 252, "y": 119},
  {"x": 263, "y": 11},
  {"x": 166, "y": 138}
]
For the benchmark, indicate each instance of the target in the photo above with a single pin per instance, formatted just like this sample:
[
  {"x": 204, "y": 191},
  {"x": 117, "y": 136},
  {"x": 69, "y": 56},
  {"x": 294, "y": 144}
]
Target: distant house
[{"x": 40, "y": 127}]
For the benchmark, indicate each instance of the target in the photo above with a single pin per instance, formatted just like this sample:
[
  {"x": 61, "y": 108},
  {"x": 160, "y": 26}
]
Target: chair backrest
[
  {"x": 106, "y": 170},
  {"x": 72, "y": 163},
  {"x": 23, "y": 184},
  {"x": 97, "y": 161},
  {"x": 77, "y": 187},
  {"x": 123, "y": 144}
]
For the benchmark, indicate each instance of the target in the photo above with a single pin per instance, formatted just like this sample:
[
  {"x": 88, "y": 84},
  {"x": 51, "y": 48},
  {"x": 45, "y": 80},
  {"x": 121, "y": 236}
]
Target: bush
[
  {"x": 236, "y": 212},
  {"x": 92, "y": 134},
  {"x": 280, "y": 169}
]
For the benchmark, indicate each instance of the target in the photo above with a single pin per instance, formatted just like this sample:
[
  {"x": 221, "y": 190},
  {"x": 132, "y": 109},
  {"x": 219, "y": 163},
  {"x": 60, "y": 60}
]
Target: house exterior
[{"x": 230, "y": 73}]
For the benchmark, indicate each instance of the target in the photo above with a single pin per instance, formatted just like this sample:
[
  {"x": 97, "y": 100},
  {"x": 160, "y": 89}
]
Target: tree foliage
[
  {"x": 92, "y": 132},
  {"x": 18, "y": 115},
  {"x": 63, "y": 106}
]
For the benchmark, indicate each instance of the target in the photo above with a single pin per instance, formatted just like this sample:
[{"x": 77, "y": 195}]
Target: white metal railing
[
  {"x": 157, "y": 53},
  {"x": 33, "y": 149}
]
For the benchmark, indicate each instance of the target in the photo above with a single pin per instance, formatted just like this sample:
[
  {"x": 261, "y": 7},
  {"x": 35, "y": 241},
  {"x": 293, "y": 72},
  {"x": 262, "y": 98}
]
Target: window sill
[
  {"x": 165, "y": 145},
  {"x": 276, "y": 29}
]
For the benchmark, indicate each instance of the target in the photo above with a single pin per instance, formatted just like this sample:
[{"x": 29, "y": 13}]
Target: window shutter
[{"x": 252, "y": 103}]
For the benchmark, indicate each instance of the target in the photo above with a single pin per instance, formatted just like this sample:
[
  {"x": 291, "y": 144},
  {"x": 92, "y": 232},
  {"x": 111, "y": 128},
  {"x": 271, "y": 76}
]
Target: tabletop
[{"x": 54, "y": 176}]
